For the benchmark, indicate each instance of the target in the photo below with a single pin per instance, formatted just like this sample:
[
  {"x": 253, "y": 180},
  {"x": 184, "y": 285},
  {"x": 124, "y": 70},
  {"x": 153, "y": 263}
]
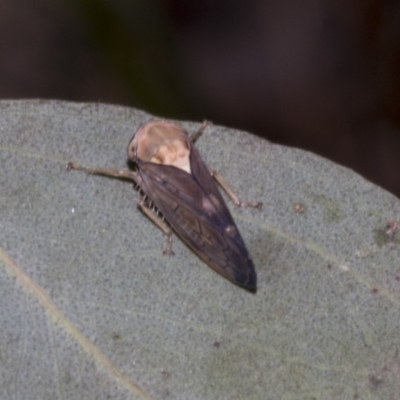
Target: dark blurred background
[{"x": 322, "y": 75}]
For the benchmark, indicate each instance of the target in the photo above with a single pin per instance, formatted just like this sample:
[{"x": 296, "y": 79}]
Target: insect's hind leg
[
  {"x": 203, "y": 126},
  {"x": 151, "y": 214},
  {"x": 221, "y": 181}
]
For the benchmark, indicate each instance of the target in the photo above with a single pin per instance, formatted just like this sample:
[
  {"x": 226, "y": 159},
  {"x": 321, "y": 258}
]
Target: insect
[{"x": 177, "y": 183}]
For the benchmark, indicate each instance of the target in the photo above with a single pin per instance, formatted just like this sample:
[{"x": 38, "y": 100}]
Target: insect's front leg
[
  {"x": 221, "y": 181},
  {"x": 203, "y": 126},
  {"x": 160, "y": 223},
  {"x": 116, "y": 173}
]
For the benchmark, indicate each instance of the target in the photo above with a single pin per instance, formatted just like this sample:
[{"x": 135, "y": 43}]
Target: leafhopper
[{"x": 178, "y": 185}]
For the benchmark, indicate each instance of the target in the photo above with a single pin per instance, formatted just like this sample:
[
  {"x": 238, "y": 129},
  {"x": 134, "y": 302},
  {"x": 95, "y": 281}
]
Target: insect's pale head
[{"x": 161, "y": 142}]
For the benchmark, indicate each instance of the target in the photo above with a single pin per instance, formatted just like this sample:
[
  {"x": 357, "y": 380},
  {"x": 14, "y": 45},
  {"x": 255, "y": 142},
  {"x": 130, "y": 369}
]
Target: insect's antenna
[{"x": 196, "y": 135}]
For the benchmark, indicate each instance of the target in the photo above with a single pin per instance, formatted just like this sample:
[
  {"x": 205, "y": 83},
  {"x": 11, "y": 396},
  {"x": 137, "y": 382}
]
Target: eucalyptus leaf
[{"x": 90, "y": 308}]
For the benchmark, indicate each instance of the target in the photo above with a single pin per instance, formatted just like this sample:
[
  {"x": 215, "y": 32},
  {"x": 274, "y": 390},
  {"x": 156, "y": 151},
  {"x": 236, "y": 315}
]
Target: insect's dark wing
[{"x": 195, "y": 209}]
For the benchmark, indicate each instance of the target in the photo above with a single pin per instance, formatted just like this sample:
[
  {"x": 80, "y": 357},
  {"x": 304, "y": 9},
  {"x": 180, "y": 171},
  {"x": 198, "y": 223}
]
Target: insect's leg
[
  {"x": 196, "y": 135},
  {"x": 160, "y": 223},
  {"x": 117, "y": 173},
  {"x": 221, "y": 181}
]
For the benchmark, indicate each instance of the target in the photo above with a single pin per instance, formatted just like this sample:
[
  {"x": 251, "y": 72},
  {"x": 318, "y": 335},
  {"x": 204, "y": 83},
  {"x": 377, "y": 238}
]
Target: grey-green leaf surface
[{"x": 90, "y": 308}]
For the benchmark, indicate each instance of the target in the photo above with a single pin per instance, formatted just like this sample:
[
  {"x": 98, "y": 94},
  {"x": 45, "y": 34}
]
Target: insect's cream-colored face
[{"x": 161, "y": 142}]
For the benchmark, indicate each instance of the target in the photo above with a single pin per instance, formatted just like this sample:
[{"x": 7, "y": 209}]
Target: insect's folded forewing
[{"x": 194, "y": 207}]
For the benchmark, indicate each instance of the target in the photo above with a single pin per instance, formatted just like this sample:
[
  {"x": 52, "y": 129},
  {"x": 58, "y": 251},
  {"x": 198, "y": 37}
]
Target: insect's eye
[{"x": 132, "y": 152}]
